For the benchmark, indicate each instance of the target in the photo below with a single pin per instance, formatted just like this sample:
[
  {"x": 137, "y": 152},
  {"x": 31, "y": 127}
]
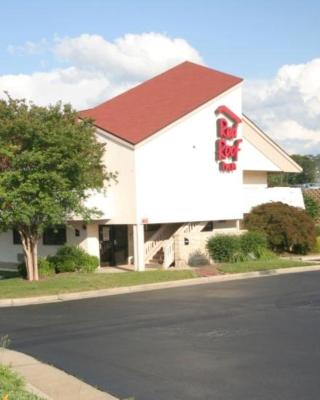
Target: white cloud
[
  {"x": 132, "y": 57},
  {"x": 288, "y": 106},
  {"x": 70, "y": 85},
  {"x": 93, "y": 69},
  {"x": 97, "y": 69}
]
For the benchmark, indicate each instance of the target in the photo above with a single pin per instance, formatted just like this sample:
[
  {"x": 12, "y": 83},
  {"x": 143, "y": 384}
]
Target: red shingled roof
[{"x": 144, "y": 110}]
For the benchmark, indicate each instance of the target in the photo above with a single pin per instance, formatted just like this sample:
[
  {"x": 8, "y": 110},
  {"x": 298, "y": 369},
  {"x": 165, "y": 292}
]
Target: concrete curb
[
  {"x": 152, "y": 286},
  {"x": 49, "y": 382}
]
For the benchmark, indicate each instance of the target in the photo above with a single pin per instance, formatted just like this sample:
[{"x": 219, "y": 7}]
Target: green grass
[
  {"x": 260, "y": 265},
  {"x": 77, "y": 282},
  {"x": 13, "y": 386}
]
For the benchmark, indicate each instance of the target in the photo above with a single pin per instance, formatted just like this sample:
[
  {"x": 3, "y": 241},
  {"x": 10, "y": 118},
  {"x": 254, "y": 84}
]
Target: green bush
[
  {"x": 318, "y": 230},
  {"x": 287, "y": 228},
  {"x": 222, "y": 248},
  {"x": 73, "y": 258},
  {"x": 253, "y": 242},
  {"x": 45, "y": 268},
  {"x": 316, "y": 247},
  {"x": 312, "y": 206},
  {"x": 240, "y": 256},
  {"x": 263, "y": 253}
]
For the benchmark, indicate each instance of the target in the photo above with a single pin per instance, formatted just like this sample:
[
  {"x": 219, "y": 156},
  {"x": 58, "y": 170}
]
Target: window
[
  {"x": 16, "y": 237},
  {"x": 55, "y": 236}
]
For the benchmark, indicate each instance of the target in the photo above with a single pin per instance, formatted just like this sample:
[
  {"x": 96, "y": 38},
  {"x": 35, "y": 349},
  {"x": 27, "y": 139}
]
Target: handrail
[
  {"x": 155, "y": 242},
  {"x": 159, "y": 239},
  {"x": 168, "y": 250}
]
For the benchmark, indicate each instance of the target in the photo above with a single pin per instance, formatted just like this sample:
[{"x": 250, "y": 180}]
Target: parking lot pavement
[{"x": 251, "y": 339}]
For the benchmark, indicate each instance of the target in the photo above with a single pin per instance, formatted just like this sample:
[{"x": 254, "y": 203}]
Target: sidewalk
[{"x": 48, "y": 382}]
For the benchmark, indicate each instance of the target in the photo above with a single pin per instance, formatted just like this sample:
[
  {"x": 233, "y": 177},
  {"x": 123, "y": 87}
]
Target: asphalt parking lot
[{"x": 256, "y": 339}]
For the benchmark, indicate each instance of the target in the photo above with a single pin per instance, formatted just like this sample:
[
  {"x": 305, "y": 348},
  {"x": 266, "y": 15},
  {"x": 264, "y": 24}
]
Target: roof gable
[
  {"x": 142, "y": 111},
  {"x": 263, "y": 143}
]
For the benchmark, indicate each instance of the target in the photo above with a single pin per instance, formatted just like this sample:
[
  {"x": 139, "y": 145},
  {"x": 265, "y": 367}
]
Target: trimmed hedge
[
  {"x": 73, "y": 258},
  {"x": 223, "y": 248},
  {"x": 287, "y": 228},
  {"x": 251, "y": 242},
  {"x": 236, "y": 248}
]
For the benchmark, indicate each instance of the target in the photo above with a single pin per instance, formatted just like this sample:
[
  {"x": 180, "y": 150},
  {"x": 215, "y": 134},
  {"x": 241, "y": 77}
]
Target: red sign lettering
[{"x": 227, "y": 149}]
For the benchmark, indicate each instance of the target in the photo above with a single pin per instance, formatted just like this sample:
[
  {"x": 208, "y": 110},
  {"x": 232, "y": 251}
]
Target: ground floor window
[
  {"x": 51, "y": 236},
  {"x": 55, "y": 236},
  {"x": 16, "y": 237}
]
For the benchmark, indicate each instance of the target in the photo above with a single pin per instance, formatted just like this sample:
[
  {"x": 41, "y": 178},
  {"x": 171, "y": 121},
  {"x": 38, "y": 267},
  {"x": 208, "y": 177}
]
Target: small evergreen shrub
[
  {"x": 287, "y": 228},
  {"x": 253, "y": 242},
  {"x": 73, "y": 258},
  {"x": 222, "y": 248},
  {"x": 45, "y": 268}
]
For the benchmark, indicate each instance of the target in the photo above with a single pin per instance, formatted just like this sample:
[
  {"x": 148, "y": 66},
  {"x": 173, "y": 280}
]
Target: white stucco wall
[
  {"x": 117, "y": 202},
  {"x": 254, "y": 160},
  {"x": 178, "y": 178},
  {"x": 254, "y": 196},
  {"x": 9, "y": 251}
]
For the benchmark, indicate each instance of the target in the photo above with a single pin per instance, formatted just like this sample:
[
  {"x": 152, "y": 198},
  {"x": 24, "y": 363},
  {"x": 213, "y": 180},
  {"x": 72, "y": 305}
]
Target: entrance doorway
[{"x": 113, "y": 244}]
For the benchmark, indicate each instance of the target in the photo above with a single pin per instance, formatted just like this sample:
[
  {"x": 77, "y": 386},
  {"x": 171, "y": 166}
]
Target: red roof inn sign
[{"x": 227, "y": 144}]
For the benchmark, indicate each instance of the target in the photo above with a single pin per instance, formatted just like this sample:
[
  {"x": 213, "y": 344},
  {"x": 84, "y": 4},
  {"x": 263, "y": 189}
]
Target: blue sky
[
  {"x": 87, "y": 51},
  {"x": 248, "y": 38}
]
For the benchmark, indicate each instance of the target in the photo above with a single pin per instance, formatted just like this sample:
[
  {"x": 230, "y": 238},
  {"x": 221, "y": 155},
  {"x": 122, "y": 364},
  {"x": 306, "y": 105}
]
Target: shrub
[
  {"x": 45, "y": 268},
  {"x": 73, "y": 258},
  {"x": 316, "y": 247},
  {"x": 253, "y": 242},
  {"x": 318, "y": 230},
  {"x": 262, "y": 253},
  {"x": 222, "y": 248},
  {"x": 312, "y": 206},
  {"x": 198, "y": 258},
  {"x": 287, "y": 228}
]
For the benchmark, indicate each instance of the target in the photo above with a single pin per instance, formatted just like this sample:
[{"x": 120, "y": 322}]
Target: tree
[
  {"x": 49, "y": 161},
  {"x": 312, "y": 206},
  {"x": 309, "y": 173},
  {"x": 278, "y": 179},
  {"x": 287, "y": 228}
]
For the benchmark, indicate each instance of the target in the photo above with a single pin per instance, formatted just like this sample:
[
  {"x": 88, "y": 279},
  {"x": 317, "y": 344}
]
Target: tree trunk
[
  {"x": 30, "y": 250},
  {"x": 35, "y": 260}
]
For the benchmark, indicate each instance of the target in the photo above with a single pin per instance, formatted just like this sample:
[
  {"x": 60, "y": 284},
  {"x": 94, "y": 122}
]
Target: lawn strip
[
  {"x": 261, "y": 265},
  {"x": 77, "y": 282}
]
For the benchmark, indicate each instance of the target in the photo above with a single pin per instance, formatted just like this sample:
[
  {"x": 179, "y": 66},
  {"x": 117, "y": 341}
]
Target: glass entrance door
[{"x": 113, "y": 244}]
